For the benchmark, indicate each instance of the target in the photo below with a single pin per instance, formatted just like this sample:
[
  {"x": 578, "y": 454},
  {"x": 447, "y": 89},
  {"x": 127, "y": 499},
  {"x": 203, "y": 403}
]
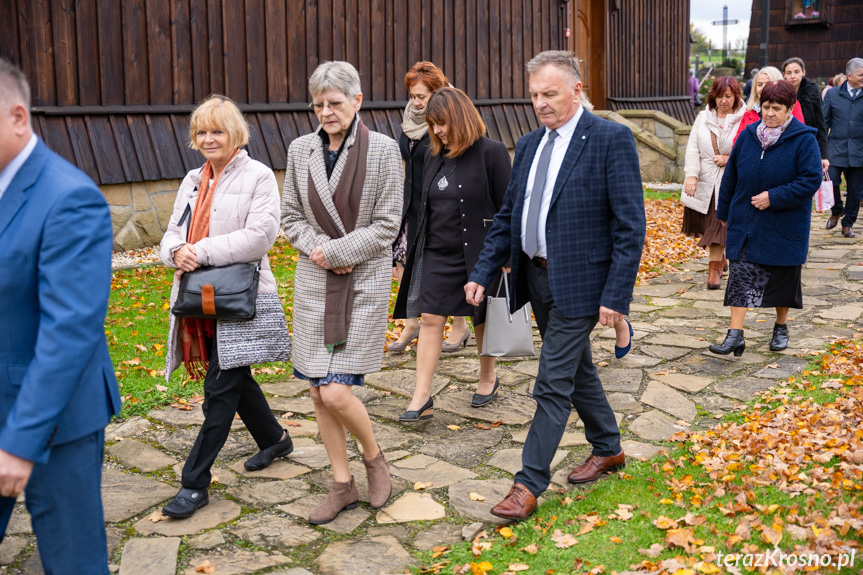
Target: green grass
[
  {"x": 650, "y": 194},
  {"x": 650, "y": 488}
]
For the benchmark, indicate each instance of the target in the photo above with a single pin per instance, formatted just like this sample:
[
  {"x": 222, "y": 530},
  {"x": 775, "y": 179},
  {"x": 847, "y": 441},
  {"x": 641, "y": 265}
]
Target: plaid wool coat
[
  {"x": 368, "y": 248},
  {"x": 595, "y": 227}
]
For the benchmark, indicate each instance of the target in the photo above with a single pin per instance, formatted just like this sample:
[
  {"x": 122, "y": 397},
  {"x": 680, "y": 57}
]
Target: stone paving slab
[
  {"x": 150, "y": 556},
  {"x": 272, "y": 531},
  {"x": 510, "y": 460},
  {"x": 684, "y": 382},
  {"x": 570, "y": 438},
  {"x": 365, "y": 556},
  {"x": 411, "y": 507},
  {"x": 784, "y": 368},
  {"x": 403, "y": 381},
  {"x": 743, "y": 388},
  {"x": 491, "y": 490},
  {"x": 238, "y": 562},
  {"x": 506, "y": 408},
  {"x": 217, "y": 512},
  {"x": 654, "y": 426},
  {"x": 640, "y": 450},
  {"x": 438, "y": 535},
  {"x": 10, "y": 548},
  {"x": 671, "y": 401},
  {"x": 661, "y": 289},
  {"x": 424, "y": 469},
  {"x": 286, "y": 388},
  {"x": 131, "y": 453},
  {"x": 299, "y": 427},
  {"x": 620, "y": 379},
  {"x": 180, "y": 442},
  {"x": 465, "y": 447},
  {"x": 268, "y": 493},
  {"x": 282, "y": 405},
  {"x": 125, "y": 495},
  {"x": 279, "y": 469}
]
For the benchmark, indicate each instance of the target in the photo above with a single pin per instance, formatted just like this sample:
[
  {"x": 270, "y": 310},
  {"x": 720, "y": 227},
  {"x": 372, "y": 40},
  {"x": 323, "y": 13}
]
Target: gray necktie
[{"x": 531, "y": 236}]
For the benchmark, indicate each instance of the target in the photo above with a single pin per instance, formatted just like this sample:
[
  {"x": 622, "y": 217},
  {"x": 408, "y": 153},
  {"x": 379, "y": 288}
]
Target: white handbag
[{"x": 506, "y": 334}]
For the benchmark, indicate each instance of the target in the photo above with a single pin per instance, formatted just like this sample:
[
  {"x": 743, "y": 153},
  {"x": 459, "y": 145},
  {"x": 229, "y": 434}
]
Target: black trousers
[
  {"x": 854, "y": 181},
  {"x": 227, "y": 392},
  {"x": 567, "y": 378}
]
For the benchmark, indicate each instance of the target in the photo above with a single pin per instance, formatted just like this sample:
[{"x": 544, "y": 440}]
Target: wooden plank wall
[
  {"x": 139, "y": 52},
  {"x": 648, "y": 49},
  {"x": 826, "y": 51}
]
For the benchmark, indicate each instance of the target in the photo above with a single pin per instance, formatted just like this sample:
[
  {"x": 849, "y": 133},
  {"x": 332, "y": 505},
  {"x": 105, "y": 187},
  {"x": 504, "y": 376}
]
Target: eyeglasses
[{"x": 333, "y": 106}]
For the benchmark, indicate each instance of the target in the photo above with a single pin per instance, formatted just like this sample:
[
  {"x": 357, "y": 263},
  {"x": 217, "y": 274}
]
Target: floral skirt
[
  {"x": 343, "y": 378},
  {"x": 759, "y": 285}
]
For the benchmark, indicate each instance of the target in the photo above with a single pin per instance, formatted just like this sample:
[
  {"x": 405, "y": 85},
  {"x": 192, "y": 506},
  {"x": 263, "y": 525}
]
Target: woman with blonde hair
[
  {"x": 753, "y": 104},
  {"x": 226, "y": 212}
]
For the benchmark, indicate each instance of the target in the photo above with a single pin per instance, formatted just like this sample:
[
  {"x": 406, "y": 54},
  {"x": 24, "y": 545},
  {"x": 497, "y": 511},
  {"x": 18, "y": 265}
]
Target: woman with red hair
[{"x": 707, "y": 152}]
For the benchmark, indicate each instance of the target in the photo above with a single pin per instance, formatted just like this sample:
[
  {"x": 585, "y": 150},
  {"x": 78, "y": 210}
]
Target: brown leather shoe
[
  {"x": 517, "y": 505},
  {"x": 595, "y": 466},
  {"x": 832, "y": 221},
  {"x": 714, "y": 275},
  {"x": 848, "y": 232}
]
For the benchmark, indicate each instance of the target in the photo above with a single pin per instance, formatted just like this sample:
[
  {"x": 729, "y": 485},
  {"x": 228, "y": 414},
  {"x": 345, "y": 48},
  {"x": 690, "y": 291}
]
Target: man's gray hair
[
  {"x": 754, "y": 72},
  {"x": 339, "y": 76},
  {"x": 853, "y": 64},
  {"x": 564, "y": 60},
  {"x": 14, "y": 87}
]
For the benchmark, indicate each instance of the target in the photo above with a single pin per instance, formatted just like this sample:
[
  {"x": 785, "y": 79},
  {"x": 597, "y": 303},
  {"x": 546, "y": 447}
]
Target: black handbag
[{"x": 227, "y": 292}]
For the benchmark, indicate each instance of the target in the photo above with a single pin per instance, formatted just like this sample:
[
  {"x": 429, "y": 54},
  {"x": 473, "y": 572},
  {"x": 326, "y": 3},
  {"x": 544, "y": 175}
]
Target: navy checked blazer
[{"x": 595, "y": 227}]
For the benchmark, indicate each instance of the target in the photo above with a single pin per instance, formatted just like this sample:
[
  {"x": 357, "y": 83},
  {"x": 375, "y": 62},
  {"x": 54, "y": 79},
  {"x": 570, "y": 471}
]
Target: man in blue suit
[
  {"x": 573, "y": 226},
  {"x": 57, "y": 383}
]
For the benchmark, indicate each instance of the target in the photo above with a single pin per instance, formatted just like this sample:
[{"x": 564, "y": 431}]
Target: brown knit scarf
[
  {"x": 349, "y": 191},
  {"x": 193, "y": 331}
]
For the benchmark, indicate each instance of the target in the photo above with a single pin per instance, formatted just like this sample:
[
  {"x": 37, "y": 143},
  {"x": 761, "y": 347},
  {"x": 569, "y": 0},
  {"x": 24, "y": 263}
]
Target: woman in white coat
[
  {"x": 342, "y": 210},
  {"x": 707, "y": 152},
  {"x": 226, "y": 212}
]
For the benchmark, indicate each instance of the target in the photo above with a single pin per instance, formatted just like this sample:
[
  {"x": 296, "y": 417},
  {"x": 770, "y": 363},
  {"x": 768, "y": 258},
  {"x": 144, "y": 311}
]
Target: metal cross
[{"x": 724, "y": 23}]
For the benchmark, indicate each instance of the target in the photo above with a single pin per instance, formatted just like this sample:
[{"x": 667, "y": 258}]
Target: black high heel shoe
[
  {"x": 780, "y": 337},
  {"x": 424, "y": 412},
  {"x": 483, "y": 400},
  {"x": 733, "y": 342}
]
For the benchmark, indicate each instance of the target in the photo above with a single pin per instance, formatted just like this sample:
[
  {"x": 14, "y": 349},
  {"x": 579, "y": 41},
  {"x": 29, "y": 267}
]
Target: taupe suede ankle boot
[
  {"x": 380, "y": 484},
  {"x": 341, "y": 496}
]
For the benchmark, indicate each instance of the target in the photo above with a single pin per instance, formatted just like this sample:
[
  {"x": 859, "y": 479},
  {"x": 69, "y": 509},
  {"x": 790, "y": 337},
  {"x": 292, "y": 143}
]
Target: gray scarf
[{"x": 414, "y": 122}]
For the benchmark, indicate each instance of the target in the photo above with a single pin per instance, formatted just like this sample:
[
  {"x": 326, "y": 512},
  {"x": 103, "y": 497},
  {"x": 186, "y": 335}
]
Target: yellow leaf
[
  {"x": 476, "y": 497},
  {"x": 616, "y": 540},
  {"x": 530, "y": 549},
  {"x": 505, "y": 532},
  {"x": 706, "y": 568},
  {"x": 514, "y": 567},
  {"x": 419, "y": 485},
  {"x": 453, "y": 427},
  {"x": 206, "y": 567},
  {"x": 666, "y": 501}
]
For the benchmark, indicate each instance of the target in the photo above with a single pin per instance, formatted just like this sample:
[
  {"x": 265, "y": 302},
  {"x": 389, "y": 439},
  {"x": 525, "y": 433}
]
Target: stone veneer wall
[{"x": 140, "y": 211}]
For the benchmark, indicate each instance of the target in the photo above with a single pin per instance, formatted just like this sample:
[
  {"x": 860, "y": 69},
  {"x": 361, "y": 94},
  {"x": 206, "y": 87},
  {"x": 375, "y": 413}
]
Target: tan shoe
[
  {"x": 517, "y": 505},
  {"x": 380, "y": 484},
  {"x": 596, "y": 466},
  {"x": 341, "y": 496}
]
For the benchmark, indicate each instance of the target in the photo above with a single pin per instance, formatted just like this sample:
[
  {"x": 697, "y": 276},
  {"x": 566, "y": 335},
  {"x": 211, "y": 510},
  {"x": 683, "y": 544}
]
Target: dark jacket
[
  {"x": 790, "y": 171},
  {"x": 484, "y": 170},
  {"x": 844, "y": 120},
  {"x": 414, "y": 160},
  {"x": 809, "y": 97},
  {"x": 595, "y": 227}
]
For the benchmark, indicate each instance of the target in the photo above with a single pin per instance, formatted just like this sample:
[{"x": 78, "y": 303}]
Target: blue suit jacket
[
  {"x": 57, "y": 382},
  {"x": 595, "y": 227}
]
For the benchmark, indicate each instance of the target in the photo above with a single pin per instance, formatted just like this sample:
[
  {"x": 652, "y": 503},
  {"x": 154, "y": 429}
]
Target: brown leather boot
[
  {"x": 341, "y": 496},
  {"x": 724, "y": 262},
  {"x": 380, "y": 484},
  {"x": 714, "y": 275}
]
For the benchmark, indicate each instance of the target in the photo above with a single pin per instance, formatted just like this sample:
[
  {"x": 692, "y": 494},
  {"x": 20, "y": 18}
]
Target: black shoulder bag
[{"x": 227, "y": 292}]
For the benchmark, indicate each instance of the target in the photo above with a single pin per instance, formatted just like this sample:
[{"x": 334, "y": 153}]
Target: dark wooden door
[{"x": 586, "y": 20}]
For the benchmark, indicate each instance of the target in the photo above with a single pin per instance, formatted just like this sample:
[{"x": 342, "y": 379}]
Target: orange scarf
[{"x": 193, "y": 331}]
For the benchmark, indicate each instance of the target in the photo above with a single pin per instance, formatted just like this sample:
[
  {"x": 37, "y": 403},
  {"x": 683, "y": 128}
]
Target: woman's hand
[
  {"x": 186, "y": 258},
  {"x": 505, "y": 270},
  {"x": 318, "y": 258},
  {"x": 724, "y": 224},
  {"x": 720, "y": 160},
  {"x": 761, "y": 201},
  {"x": 689, "y": 186},
  {"x": 825, "y": 163}
]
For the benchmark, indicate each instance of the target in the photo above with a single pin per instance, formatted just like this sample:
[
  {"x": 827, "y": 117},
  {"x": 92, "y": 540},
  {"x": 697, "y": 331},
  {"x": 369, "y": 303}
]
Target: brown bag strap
[{"x": 715, "y": 146}]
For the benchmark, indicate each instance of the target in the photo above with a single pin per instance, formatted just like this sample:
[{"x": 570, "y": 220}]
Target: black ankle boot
[
  {"x": 733, "y": 342},
  {"x": 780, "y": 337}
]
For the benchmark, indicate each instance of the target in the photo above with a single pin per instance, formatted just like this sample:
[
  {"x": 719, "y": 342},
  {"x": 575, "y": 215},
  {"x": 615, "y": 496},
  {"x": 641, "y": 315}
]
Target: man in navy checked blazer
[{"x": 573, "y": 225}]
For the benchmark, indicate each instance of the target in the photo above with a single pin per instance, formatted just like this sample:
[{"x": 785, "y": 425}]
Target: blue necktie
[{"x": 531, "y": 236}]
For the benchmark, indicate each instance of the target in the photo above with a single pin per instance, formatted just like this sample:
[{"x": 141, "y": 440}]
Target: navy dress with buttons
[{"x": 444, "y": 272}]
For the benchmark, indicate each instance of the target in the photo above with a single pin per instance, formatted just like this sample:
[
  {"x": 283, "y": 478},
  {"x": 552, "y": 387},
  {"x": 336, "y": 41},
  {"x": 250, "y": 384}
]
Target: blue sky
[{"x": 702, "y": 13}]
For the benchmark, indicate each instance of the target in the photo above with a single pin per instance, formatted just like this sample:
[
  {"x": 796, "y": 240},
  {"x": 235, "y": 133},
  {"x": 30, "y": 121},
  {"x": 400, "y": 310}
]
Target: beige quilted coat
[
  {"x": 244, "y": 223},
  {"x": 368, "y": 248}
]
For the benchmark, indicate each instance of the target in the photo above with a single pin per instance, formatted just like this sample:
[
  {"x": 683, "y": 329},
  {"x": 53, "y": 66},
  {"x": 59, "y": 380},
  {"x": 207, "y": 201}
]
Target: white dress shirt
[
  {"x": 561, "y": 144},
  {"x": 9, "y": 172}
]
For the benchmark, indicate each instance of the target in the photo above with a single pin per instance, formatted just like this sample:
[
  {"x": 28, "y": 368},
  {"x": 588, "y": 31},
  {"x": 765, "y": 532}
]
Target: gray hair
[
  {"x": 565, "y": 61},
  {"x": 339, "y": 76},
  {"x": 853, "y": 64},
  {"x": 754, "y": 72},
  {"x": 14, "y": 88}
]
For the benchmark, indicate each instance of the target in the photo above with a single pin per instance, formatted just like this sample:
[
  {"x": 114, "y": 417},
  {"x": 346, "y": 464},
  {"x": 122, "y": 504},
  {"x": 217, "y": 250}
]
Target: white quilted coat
[
  {"x": 244, "y": 224},
  {"x": 699, "y": 156}
]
